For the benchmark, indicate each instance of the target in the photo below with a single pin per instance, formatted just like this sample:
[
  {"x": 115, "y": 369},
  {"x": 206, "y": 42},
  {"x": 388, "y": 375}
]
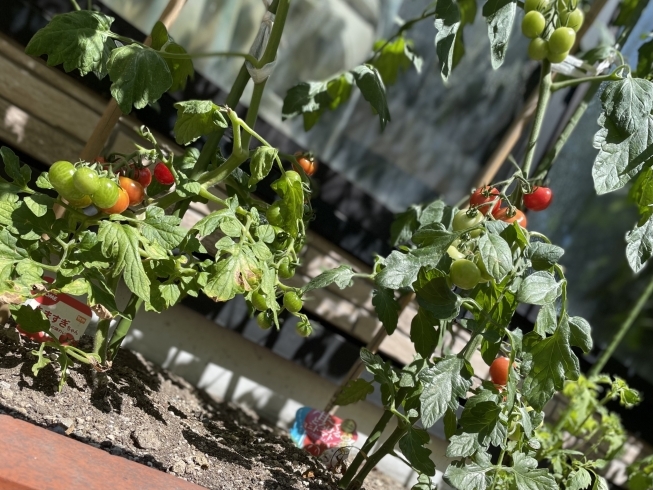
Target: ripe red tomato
[
  {"x": 133, "y": 189},
  {"x": 121, "y": 204},
  {"x": 308, "y": 164},
  {"x": 539, "y": 199},
  {"x": 36, "y": 337},
  {"x": 499, "y": 371},
  {"x": 163, "y": 174},
  {"x": 504, "y": 214},
  {"x": 67, "y": 339},
  {"x": 483, "y": 195},
  {"x": 143, "y": 176}
]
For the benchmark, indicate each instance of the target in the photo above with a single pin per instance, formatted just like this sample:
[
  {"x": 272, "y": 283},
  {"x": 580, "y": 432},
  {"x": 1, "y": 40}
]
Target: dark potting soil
[{"x": 143, "y": 413}]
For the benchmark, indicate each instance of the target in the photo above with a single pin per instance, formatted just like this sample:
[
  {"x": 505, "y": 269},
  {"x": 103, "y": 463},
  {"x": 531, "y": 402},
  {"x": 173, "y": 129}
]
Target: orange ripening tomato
[
  {"x": 121, "y": 204},
  {"x": 134, "y": 190},
  {"x": 309, "y": 165},
  {"x": 499, "y": 371},
  {"x": 504, "y": 214}
]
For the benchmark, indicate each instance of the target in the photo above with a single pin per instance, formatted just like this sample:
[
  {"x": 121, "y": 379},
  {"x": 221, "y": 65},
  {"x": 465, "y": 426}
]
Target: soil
[{"x": 145, "y": 414}]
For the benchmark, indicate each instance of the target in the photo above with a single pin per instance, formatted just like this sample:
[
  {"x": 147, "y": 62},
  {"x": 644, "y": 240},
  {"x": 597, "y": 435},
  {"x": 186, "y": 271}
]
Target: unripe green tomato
[
  {"x": 106, "y": 194},
  {"x": 573, "y": 19},
  {"x": 533, "y": 24},
  {"x": 286, "y": 271},
  {"x": 476, "y": 233},
  {"x": 561, "y": 40},
  {"x": 465, "y": 274},
  {"x": 454, "y": 253},
  {"x": 86, "y": 180},
  {"x": 263, "y": 320},
  {"x": 61, "y": 176},
  {"x": 273, "y": 214},
  {"x": 292, "y": 302},
  {"x": 258, "y": 301},
  {"x": 303, "y": 328},
  {"x": 558, "y": 58},
  {"x": 80, "y": 203},
  {"x": 538, "y": 49},
  {"x": 539, "y": 5},
  {"x": 462, "y": 220}
]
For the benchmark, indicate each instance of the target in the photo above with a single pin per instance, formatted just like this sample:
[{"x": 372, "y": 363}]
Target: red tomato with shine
[
  {"x": 133, "y": 189},
  {"x": 143, "y": 176},
  {"x": 309, "y": 165},
  {"x": 499, "y": 371},
  {"x": 539, "y": 199},
  {"x": 163, "y": 174},
  {"x": 484, "y": 195},
  {"x": 121, "y": 204},
  {"x": 504, "y": 214}
]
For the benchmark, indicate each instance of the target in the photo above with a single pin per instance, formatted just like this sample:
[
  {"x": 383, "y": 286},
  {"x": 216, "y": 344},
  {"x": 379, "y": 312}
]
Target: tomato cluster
[
  {"x": 551, "y": 26},
  {"x": 83, "y": 185}
]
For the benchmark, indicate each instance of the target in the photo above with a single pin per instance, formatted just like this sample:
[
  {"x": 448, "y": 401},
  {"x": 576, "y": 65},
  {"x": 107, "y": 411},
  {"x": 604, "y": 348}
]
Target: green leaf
[
  {"x": 371, "y": 86},
  {"x": 412, "y": 447},
  {"x": 515, "y": 235},
  {"x": 434, "y": 235},
  {"x": 400, "y": 271},
  {"x": 496, "y": 255},
  {"x": 196, "y": 118},
  {"x": 232, "y": 275},
  {"x": 32, "y": 320},
  {"x": 43, "y": 181},
  {"x": 423, "y": 333},
  {"x": 261, "y": 163},
  {"x": 578, "y": 479},
  {"x": 436, "y": 297},
  {"x": 543, "y": 256},
  {"x": 305, "y": 97},
  {"x": 339, "y": 90},
  {"x": 463, "y": 445},
  {"x": 291, "y": 204},
  {"x": 645, "y": 60},
  {"x": 77, "y": 39},
  {"x": 437, "y": 212},
  {"x": 552, "y": 363},
  {"x": 538, "y": 289},
  {"x": 639, "y": 245},
  {"x": 580, "y": 333},
  {"x": 404, "y": 225},
  {"x": 469, "y": 476},
  {"x": 159, "y": 35},
  {"x": 627, "y": 8},
  {"x": 447, "y": 23},
  {"x": 180, "y": 69},
  {"x": 480, "y": 417},
  {"x": 20, "y": 174},
  {"x": 528, "y": 476},
  {"x": 383, "y": 374},
  {"x": 444, "y": 384},
  {"x": 627, "y": 103},
  {"x": 120, "y": 243},
  {"x": 423, "y": 483},
  {"x": 355, "y": 391},
  {"x": 211, "y": 222},
  {"x": 450, "y": 426},
  {"x": 387, "y": 308},
  {"x": 341, "y": 275},
  {"x": 160, "y": 228},
  {"x": 39, "y": 204},
  {"x": 546, "y": 322},
  {"x": 41, "y": 361},
  {"x": 642, "y": 194},
  {"x": 500, "y": 15},
  {"x": 139, "y": 76},
  {"x": 395, "y": 57}
]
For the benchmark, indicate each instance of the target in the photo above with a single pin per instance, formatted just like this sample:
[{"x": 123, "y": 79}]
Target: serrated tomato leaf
[
  {"x": 444, "y": 384},
  {"x": 196, "y": 118},
  {"x": 387, "y": 308},
  {"x": 354, "y": 391},
  {"x": 412, "y": 447}
]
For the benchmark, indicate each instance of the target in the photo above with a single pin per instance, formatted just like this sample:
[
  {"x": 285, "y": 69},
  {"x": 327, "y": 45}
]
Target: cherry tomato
[
  {"x": 464, "y": 274},
  {"x": 557, "y": 58},
  {"x": 504, "y": 214},
  {"x": 292, "y": 302},
  {"x": 263, "y": 320},
  {"x": 533, "y": 24},
  {"x": 462, "y": 220},
  {"x": 107, "y": 193},
  {"x": 562, "y": 40},
  {"x": 538, "y": 49},
  {"x": 258, "y": 301},
  {"x": 539, "y": 199},
  {"x": 303, "y": 328},
  {"x": 143, "y": 176},
  {"x": 286, "y": 271},
  {"x": 67, "y": 339},
  {"x": 36, "y": 337},
  {"x": 454, "y": 253},
  {"x": 499, "y": 371},
  {"x": 308, "y": 164},
  {"x": 273, "y": 214},
  {"x": 133, "y": 189},
  {"x": 86, "y": 180},
  {"x": 61, "y": 175},
  {"x": 484, "y": 195},
  {"x": 80, "y": 203},
  {"x": 120, "y": 205},
  {"x": 163, "y": 175},
  {"x": 540, "y": 5},
  {"x": 573, "y": 19}
]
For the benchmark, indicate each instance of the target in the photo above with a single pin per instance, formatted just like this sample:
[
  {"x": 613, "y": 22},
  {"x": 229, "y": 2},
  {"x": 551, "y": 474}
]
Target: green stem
[
  {"x": 572, "y": 82},
  {"x": 472, "y": 345},
  {"x": 252, "y": 112},
  {"x": 125, "y": 323},
  {"x": 187, "y": 56},
  {"x": 542, "y": 102},
  {"x": 216, "y": 176},
  {"x": 623, "y": 329},
  {"x": 101, "y": 337},
  {"x": 386, "y": 448}
]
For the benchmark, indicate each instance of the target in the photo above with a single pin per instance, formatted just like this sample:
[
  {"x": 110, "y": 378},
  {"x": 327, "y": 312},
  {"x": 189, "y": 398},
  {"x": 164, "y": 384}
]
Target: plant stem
[
  {"x": 252, "y": 112},
  {"x": 623, "y": 329},
  {"x": 125, "y": 323},
  {"x": 572, "y": 82},
  {"x": 386, "y": 448},
  {"x": 542, "y": 102},
  {"x": 101, "y": 337},
  {"x": 472, "y": 345}
]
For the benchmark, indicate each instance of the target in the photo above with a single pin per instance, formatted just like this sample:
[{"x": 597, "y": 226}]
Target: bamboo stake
[
  {"x": 373, "y": 345},
  {"x": 512, "y": 136}
]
